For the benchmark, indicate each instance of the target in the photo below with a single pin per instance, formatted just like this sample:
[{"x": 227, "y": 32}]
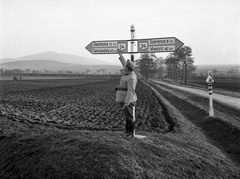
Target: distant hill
[
  {"x": 52, "y": 61},
  {"x": 65, "y": 58},
  {"x": 4, "y": 60},
  {"x": 55, "y": 66},
  {"x": 33, "y": 64}
]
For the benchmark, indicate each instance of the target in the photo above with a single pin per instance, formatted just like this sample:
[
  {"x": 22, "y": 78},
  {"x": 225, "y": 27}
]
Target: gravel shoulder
[{"x": 226, "y": 100}]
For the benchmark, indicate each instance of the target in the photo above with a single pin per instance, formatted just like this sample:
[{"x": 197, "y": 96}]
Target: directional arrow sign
[
  {"x": 107, "y": 47},
  {"x": 168, "y": 44},
  {"x": 209, "y": 80}
]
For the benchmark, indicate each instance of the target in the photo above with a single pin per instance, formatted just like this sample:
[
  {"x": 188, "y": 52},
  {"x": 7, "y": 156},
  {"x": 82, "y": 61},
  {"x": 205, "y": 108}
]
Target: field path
[{"x": 226, "y": 100}]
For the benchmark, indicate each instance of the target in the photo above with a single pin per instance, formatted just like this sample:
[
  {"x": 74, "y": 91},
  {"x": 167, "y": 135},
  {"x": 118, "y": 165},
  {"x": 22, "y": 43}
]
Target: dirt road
[{"x": 226, "y": 100}]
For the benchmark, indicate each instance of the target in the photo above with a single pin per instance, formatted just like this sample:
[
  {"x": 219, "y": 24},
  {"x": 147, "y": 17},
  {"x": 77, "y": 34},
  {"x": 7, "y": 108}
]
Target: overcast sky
[{"x": 210, "y": 27}]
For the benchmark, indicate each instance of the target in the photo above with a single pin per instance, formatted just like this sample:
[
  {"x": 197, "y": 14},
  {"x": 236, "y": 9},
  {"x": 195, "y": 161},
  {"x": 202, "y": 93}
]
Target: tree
[
  {"x": 28, "y": 70},
  {"x": 68, "y": 72},
  {"x": 184, "y": 55},
  {"x": 146, "y": 64},
  {"x": 87, "y": 71},
  {"x": 1, "y": 71},
  {"x": 160, "y": 67},
  {"x": 104, "y": 71},
  {"x": 214, "y": 71},
  {"x": 172, "y": 64},
  {"x": 234, "y": 71}
]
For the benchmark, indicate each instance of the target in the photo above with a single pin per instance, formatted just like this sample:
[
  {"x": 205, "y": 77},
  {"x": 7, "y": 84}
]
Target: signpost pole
[
  {"x": 132, "y": 59},
  {"x": 132, "y": 42}
]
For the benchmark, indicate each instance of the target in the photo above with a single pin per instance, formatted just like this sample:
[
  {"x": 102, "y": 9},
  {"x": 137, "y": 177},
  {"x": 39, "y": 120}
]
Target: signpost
[{"x": 167, "y": 44}]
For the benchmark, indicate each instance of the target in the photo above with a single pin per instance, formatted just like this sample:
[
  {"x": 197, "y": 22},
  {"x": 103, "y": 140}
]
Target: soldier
[{"x": 126, "y": 95}]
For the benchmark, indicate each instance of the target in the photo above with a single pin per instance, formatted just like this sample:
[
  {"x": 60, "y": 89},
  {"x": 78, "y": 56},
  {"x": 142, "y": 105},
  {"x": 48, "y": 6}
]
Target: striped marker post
[
  {"x": 210, "y": 81},
  {"x": 211, "y": 110}
]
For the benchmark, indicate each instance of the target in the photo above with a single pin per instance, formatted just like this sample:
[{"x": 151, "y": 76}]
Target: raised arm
[{"x": 122, "y": 59}]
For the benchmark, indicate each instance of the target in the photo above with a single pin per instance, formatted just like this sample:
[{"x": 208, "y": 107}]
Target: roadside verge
[{"x": 218, "y": 131}]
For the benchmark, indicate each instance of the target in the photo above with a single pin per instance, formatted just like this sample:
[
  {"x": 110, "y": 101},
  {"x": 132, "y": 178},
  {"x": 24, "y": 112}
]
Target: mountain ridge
[
  {"x": 61, "y": 57},
  {"x": 51, "y": 61},
  {"x": 51, "y": 65}
]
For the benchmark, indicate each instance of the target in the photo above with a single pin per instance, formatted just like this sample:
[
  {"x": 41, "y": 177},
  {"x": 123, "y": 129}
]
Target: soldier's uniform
[{"x": 125, "y": 94}]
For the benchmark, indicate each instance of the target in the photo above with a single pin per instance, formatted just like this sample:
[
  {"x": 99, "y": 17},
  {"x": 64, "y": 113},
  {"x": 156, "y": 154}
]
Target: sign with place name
[
  {"x": 168, "y": 44},
  {"x": 107, "y": 47}
]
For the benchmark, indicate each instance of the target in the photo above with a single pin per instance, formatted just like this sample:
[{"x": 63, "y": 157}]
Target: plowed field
[
  {"x": 77, "y": 104},
  {"x": 72, "y": 129}
]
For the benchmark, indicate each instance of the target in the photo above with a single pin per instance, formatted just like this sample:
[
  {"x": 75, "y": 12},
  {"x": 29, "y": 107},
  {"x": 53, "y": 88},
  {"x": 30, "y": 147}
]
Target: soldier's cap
[{"x": 130, "y": 64}]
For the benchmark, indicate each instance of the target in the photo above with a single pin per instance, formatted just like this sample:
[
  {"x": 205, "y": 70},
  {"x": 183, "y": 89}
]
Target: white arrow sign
[
  {"x": 107, "y": 47},
  {"x": 168, "y": 44},
  {"x": 210, "y": 78}
]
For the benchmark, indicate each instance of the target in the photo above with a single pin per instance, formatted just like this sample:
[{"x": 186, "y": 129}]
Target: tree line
[
  {"x": 29, "y": 71},
  {"x": 177, "y": 66}
]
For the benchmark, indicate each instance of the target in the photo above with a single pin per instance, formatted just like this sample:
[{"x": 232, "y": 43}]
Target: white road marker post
[
  {"x": 210, "y": 81},
  {"x": 211, "y": 110}
]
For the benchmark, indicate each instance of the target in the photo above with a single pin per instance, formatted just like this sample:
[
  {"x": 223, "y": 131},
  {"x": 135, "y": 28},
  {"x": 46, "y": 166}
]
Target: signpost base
[{"x": 140, "y": 136}]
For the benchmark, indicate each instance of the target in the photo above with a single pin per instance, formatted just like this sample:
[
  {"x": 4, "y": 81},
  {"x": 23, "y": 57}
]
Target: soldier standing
[{"x": 126, "y": 96}]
